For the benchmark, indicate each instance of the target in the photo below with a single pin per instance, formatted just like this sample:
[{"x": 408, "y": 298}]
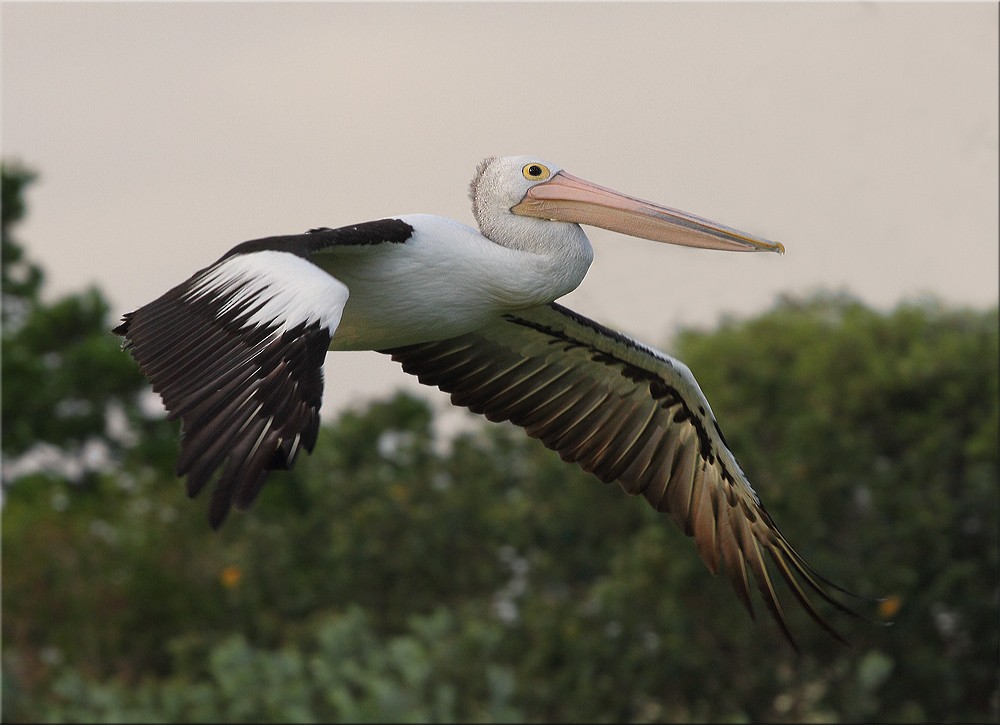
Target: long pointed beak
[{"x": 567, "y": 198}]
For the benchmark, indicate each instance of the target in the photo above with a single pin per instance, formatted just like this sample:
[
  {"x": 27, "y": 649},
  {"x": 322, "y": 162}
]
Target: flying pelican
[{"x": 236, "y": 352}]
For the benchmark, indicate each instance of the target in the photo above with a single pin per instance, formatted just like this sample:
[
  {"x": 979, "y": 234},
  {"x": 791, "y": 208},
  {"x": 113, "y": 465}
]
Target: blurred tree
[
  {"x": 68, "y": 393},
  {"x": 71, "y": 415},
  {"x": 20, "y": 280}
]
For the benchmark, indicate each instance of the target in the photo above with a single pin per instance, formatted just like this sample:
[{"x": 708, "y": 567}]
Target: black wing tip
[
  {"x": 217, "y": 516},
  {"x": 821, "y": 585},
  {"x": 237, "y": 493},
  {"x": 123, "y": 329},
  {"x": 238, "y": 478}
]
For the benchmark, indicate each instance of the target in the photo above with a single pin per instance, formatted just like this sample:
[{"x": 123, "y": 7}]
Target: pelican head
[{"x": 506, "y": 189}]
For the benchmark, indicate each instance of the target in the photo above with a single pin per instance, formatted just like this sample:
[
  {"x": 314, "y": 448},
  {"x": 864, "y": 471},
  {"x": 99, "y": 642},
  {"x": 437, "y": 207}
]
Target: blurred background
[{"x": 423, "y": 564}]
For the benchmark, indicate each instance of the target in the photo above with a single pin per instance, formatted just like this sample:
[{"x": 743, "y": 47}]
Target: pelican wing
[
  {"x": 236, "y": 352},
  {"x": 625, "y": 413}
]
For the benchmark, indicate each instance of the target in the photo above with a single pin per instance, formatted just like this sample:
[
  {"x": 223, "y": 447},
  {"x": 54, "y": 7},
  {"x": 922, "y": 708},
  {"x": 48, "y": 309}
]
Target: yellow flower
[
  {"x": 888, "y": 607},
  {"x": 230, "y": 576}
]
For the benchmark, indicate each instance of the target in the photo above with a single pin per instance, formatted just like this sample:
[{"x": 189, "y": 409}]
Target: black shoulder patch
[{"x": 382, "y": 231}]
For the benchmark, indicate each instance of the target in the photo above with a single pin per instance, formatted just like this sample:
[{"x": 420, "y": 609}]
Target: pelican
[{"x": 237, "y": 350}]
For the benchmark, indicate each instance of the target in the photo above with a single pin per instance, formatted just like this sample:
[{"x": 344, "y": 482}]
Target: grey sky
[{"x": 863, "y": 136}]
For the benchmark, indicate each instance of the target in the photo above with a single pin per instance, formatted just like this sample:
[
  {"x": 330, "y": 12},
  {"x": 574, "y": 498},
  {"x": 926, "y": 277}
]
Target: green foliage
[
  {"x": 342, "y": 670},
  {"x": 394, "y": 576}
]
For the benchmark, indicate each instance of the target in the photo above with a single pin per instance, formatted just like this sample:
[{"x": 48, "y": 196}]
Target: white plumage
[{"x": 291, "y": 290}]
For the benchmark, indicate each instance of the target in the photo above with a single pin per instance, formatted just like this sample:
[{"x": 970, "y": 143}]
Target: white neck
[{"x": 564, "y": 247}]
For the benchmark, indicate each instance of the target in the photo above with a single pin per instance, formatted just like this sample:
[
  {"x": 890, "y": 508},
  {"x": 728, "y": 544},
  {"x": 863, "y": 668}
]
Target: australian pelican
[{"x": 236, "y": 352}]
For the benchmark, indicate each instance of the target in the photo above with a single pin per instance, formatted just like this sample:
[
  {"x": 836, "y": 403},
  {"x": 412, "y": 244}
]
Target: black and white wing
[
  {"x": 625, "y": 413},
  {"x": 236, "y": 352}
]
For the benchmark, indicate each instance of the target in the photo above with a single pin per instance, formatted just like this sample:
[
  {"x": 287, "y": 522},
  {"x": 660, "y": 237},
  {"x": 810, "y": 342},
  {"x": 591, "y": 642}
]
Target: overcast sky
[{"x": 862, "y": 136}]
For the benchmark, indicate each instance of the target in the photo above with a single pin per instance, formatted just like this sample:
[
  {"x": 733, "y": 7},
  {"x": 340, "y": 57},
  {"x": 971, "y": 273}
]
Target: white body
[{"x": 446, "y": 280}]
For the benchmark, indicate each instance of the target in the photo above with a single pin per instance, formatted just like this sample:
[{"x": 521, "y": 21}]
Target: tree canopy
[{"x": 397, "y": 576}]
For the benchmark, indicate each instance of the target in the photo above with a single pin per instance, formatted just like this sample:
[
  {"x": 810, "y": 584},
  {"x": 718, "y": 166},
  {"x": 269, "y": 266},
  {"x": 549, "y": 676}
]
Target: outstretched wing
[
  {"x": 236, "y": 352},
  {"x": 625, "y": 413}
]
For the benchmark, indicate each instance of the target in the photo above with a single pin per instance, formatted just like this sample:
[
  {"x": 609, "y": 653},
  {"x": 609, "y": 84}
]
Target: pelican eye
[{"x": 535, "y": 172}]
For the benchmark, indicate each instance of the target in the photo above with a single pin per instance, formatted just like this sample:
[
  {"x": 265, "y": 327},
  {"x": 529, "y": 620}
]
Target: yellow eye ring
[{"x": 536, "y": 172}]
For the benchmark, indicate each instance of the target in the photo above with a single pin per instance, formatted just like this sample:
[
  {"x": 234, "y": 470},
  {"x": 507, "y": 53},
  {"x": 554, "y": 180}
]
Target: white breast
[{"x": 447, "y": 279}]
